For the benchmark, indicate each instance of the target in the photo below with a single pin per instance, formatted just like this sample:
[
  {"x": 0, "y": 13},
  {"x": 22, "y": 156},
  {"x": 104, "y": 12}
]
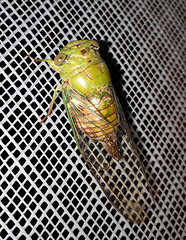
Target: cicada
[{"x": 100, "y": 128}]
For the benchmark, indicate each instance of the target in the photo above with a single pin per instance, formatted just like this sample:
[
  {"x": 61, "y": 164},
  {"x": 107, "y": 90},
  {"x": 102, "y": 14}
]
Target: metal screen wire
[{"x": 46, "y": 189}]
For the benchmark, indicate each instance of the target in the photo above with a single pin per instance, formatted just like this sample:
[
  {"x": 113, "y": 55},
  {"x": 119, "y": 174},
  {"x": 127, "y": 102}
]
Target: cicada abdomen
[
  {"x": 98, "y": 121},
  {"x": 100, "y": 128}
]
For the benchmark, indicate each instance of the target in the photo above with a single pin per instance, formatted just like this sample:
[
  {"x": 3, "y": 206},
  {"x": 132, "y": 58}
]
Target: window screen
[{"x": 46, "y": 189}]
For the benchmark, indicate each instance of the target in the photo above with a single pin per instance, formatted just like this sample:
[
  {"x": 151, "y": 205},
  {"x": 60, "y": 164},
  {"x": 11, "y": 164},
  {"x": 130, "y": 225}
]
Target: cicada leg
[{"x": 58, "y": 88}]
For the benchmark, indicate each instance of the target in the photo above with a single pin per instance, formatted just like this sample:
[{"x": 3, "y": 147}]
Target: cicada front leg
[{"x": 58, "y": 88}]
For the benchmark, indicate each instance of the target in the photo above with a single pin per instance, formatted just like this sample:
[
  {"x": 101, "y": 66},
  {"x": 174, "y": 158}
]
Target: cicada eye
[{"x": 58, "y": 60}]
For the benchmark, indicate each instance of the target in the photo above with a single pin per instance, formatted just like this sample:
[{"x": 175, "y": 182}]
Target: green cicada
[{"x": 100, "y": 128}]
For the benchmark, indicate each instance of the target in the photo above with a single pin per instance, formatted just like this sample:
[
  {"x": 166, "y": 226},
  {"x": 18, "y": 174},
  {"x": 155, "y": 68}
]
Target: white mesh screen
[{"x": 46, "y": 189}]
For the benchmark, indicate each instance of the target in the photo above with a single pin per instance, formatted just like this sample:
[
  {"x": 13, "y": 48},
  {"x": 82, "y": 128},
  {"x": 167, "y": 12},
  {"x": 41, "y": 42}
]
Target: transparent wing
[{"x": 122, "y": 180}]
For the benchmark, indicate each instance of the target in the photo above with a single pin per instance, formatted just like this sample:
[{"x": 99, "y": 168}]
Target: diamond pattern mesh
[{"x": 46, "y": 189}]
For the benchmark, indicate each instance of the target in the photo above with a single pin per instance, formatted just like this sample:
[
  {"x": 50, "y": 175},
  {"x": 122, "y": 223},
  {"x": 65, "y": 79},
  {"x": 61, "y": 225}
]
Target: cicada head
[{"x": 76, "y": 56}]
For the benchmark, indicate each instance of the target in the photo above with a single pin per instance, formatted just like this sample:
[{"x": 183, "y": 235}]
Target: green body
[{"x": 87, "y": 92}]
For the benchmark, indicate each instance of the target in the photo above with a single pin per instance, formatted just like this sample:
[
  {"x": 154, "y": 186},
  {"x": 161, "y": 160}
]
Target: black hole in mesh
[{"x": 33, "y": 221}]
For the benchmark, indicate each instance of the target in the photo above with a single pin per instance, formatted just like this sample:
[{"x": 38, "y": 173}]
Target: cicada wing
[
  {"x": 132, "y": 165},
  {"x": 122, "y": 181}
]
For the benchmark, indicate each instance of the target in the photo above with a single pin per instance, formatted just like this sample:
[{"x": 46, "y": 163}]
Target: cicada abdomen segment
[{"x": 93, "y": 152}]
